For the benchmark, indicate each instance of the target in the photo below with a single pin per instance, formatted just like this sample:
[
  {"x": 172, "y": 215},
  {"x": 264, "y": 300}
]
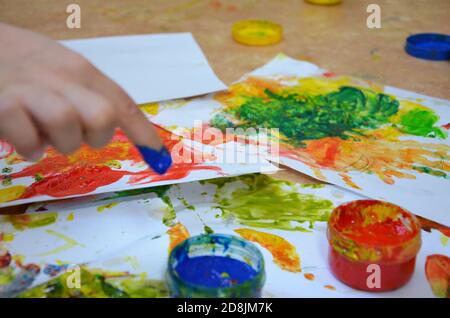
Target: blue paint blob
[
  {"x": 160, "y": 161},
  {"x": 214, "y": 271},
  {"x": 215, "y": 265}
]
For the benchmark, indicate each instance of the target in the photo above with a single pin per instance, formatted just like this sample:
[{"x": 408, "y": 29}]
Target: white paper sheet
[
  {"x": 151, "y": 67},
  {"x": 394, "y": 178},
  {"x": 126, "y": 234}
]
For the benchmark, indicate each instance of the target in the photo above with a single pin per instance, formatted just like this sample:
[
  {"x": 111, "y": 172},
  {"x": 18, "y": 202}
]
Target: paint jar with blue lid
[{"x": 215, "y": 265}]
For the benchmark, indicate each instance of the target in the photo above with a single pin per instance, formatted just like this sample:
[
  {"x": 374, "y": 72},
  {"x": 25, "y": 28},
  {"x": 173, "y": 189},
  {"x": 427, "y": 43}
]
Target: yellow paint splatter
[
  {"x": 6, "y": 237},
  {"x": 133, "y": 261},
  {"x": 70, "y": 217},
  {"x": 177, "y": 233},
  {"x": 69, "y": 243},
  {"x": 107, "y": 206},
  {"x": 444, "y": 240},
  {"x": 284, "y": 253},
  {"x": 11, "y": 193},
  {"x": 150, "y": 108}
]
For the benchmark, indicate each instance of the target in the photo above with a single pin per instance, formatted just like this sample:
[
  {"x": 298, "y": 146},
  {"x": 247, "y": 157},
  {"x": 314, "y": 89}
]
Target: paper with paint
[
  {"x": 127, "y": 255},
  {"x": 382, "y": 142},
  {"x": 151, "y": 67},
  {"x": 117, "y": 166}
]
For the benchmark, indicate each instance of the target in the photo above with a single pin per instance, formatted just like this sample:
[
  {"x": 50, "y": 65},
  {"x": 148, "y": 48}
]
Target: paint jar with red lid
[{"x": 373, "y": 244}]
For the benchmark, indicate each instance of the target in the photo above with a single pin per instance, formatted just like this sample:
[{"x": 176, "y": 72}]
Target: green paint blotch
[
  {"x": 272, "y": 204},
  {"x": 432, "y": 172},
  {"x": 98, "y": 284},
  {"x": 32, "y": 220},
  {"x": 305, "y": 117},
  {"x": 207, "y": 230},
  {"x": 421, "y": 122}
]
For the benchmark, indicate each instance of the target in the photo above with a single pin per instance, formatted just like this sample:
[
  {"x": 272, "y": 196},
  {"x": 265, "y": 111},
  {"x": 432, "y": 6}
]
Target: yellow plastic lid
[
  {"x": 257, "y": 32},
  {"x": 324, "y": 2}
]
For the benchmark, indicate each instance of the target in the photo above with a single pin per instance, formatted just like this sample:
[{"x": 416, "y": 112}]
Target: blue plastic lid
[{"x": 429, "y": 46}]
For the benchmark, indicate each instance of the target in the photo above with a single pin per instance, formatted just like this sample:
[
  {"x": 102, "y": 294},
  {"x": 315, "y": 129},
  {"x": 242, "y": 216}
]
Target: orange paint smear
[
  {"x": 330, "y": 287},
  {"x": 177, "y": 233},
  {"x": 437, "y": 270},
  {"x": 309, "y": 276},
  {"x": 283, "y": 252}
]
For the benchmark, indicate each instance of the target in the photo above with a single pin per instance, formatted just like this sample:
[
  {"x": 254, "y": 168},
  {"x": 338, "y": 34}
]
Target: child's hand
[{"x": 51, "y": 95}]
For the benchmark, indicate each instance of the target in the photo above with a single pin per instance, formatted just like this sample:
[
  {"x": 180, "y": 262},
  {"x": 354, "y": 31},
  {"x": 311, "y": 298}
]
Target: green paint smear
[
  {"x": 6, "y": 275},
  {"x": 32, "y": 220},
  {"x": 207, "y": 230},
  {"x": 96, "y": 284},
  {"x": 432, "y": 172},
  {"x": 268, "y": 203},
  {"x": 304, "y": 117},
  {"x": 186, "y": 204},
  {"x": 312, "y": 185},
  {"x": 160, "y": 191},
  {"x": 420, "y": 122}
]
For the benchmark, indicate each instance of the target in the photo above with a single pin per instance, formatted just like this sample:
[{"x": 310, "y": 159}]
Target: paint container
[
  {"x": 257, "y": 32},
  {"x": 373, "y": 244},
  {"x": 215, "y": 265},
  {"x": 324, "y": 2}
]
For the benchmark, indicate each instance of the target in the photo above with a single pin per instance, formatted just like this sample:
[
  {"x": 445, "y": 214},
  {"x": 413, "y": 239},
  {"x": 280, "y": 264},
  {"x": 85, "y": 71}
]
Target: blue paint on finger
[{"x": 159, "y": 160}]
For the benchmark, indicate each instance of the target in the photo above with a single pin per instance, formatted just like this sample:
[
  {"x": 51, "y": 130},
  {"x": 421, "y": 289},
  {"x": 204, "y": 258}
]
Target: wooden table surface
[{"x": 334, "y": 37}]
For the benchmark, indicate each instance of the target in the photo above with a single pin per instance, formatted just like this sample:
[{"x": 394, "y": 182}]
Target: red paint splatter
[
  {"x": 5, "y": 259},
  {"x": 88, "y": 169},
  {"x": 216, "y": 4},
  {"x": 79, "y": 180},
  {"x": 446, "y": 126},
  {"x": 329, "y": 74}
]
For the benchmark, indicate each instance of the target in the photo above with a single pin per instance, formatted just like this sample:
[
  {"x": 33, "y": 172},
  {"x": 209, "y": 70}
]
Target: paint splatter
[
  {"x": 177, "y": 233},
  {"x": 86, "y": 170},
  {"x": 437, "y": 270},
  {"x": 99, "y": 284},
  {"x": 70, "y": 217},
  {"x": 330, "y": 287},
  {"x": 14, "y": 275},
  {"x": 269, "y": 203},
  {"x": 207, "y": 230},
  {"x": 6, "y": 237},
  {"x": 339, "y": 124},
  {"x": 284, "y": 253},
  {"x": 68, "y": 244},
  {"x": 32, "y": 220},
  {"x": 309, "y": 276},
  {"x": 11, "y": 193},
  {"x": 107, "y": 206},
  {"x": 444, "y": 240}
]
